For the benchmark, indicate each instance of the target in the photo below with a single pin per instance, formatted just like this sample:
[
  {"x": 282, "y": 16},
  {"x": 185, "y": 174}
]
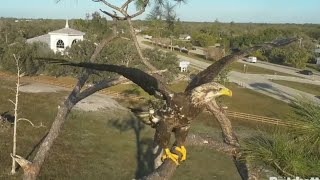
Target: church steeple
[{"x": 67, "y": 24}]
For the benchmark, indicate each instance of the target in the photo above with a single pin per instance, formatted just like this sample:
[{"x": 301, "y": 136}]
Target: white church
[{"x": 60, "y": 39}]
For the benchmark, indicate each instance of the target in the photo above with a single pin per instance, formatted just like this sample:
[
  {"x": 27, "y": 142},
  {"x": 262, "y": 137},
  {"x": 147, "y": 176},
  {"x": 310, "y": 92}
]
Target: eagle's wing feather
[
  {"x": 147, "y": 82},
  {"x": 214, "y": 69}
]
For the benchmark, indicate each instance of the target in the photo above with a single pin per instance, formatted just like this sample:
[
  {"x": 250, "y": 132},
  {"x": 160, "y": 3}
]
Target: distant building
[
  {"x": 184, "y": 66},
  {"x": 60, "y": 39},
  {"x": 185, "y": 37},
  {"x": 147, "y": 37},
  {"x": 137, "y": 31}
]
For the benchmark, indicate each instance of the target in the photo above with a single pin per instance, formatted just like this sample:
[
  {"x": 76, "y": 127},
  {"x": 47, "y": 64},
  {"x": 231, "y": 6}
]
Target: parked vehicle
[
  {"x": 306, "y": 72},
  {"x": 251, "y": 59}
]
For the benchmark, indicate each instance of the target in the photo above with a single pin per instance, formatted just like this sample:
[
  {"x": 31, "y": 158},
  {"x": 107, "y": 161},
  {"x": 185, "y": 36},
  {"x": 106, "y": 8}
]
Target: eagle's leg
[
  {"x": 179, "y": 153},
  {"x": 181, "y": 134},
  {"x": 161, "y": 144}
]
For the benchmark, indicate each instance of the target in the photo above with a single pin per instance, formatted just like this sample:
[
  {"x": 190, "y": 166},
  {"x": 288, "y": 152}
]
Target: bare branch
[
  {"x": 11, "y": 101},
  {"x": 113, "y": 16},
  {"x": 134, "y": 38},
  {"x": 126, "y": 4},
  {"x": 139, "y": 12},
  {"x": 14, "y": 146},
  {"x": 24, "y": 119},
  {"x": 111, "y": 6},
  {"x": 125, "y": 38},
  {"x": 128, "y": 18},
  {"x": 104, "y": 43}
]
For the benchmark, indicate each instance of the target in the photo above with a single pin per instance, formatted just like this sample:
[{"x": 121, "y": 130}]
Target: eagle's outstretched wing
[
  {"x": 148, "y": 83},
  {"x": 214, "y": 69}
]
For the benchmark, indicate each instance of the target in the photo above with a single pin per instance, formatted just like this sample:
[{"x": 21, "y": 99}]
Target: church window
[
  {"x": 60, "y": 44},
  {"x": 74, "y": 41}
]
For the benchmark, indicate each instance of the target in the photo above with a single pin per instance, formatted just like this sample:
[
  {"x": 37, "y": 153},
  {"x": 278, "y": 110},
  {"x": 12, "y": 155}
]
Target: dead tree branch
[
  {"x": 30, "y": 122},
  {"x": 124, "y": 11},
  {"x": 14, "y": 148}
]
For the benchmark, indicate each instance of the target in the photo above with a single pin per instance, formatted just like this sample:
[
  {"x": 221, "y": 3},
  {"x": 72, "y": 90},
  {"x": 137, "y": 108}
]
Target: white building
[
  {"x": 60, "y": 39},
  {"x": 186, "y": 37},
  {"x": 184, "y": 66}
]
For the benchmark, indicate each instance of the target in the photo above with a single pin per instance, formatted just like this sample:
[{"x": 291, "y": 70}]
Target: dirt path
[{"x": 92, "y": 103}]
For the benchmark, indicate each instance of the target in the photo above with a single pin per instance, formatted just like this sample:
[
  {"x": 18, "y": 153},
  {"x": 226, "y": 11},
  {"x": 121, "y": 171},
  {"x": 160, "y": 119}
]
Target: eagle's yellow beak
[{"x": 226, "y": 92}]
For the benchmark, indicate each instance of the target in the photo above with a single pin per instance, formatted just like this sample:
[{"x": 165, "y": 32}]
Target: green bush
[{"x": 291, "y": 152}]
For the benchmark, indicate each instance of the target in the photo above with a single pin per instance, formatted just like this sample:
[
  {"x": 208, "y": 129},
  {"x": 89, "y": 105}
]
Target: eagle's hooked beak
[{"x": 226, "y": 92}]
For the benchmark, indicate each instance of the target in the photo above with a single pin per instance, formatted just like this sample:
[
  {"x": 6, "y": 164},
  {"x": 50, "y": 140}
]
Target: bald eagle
[{"x": 180, "y": 108}]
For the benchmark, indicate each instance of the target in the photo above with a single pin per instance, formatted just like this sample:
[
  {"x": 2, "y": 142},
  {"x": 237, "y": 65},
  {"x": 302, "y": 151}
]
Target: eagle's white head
[{"x": 207, "y": 92}]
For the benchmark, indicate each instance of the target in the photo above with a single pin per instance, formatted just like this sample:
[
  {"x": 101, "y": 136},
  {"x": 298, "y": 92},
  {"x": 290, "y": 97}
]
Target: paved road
[
  {"x": 283, "y": 69},
  {"x": 260, "y": 82}
]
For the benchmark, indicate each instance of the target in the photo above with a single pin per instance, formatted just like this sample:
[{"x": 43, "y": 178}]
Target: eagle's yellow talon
[
  {"x": 174, "y": 157},
  {"x": 170, "y": 155},
  {"x": 183, "y": 151}
]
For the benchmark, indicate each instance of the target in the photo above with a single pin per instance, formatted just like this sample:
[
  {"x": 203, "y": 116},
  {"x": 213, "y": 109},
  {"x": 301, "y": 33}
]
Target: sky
[{"x": 256, "y": 11}]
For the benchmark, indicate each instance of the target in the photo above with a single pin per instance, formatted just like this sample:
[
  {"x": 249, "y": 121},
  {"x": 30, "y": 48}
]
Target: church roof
[
  {"x": 67, "y": 31},
  {"x": 64, "y": 31},
  {"x": 44, "y": 39}
]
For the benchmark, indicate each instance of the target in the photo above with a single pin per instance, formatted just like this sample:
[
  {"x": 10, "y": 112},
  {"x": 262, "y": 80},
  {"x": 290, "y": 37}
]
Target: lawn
[
  {"x": 248, "y": 101},
  {"x": 309, "y": 88},
  {"x": 96, "y": 145}
]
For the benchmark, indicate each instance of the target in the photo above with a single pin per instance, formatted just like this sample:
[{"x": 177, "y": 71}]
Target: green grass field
[
  {"x": 309, "y": 88},
  {"x": 95, "y": 145},
  {"x": 248, "y": 101}
]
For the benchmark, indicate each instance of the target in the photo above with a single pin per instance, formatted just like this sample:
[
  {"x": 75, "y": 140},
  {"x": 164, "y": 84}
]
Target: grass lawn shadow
[{"x": 144, "y": 152}]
